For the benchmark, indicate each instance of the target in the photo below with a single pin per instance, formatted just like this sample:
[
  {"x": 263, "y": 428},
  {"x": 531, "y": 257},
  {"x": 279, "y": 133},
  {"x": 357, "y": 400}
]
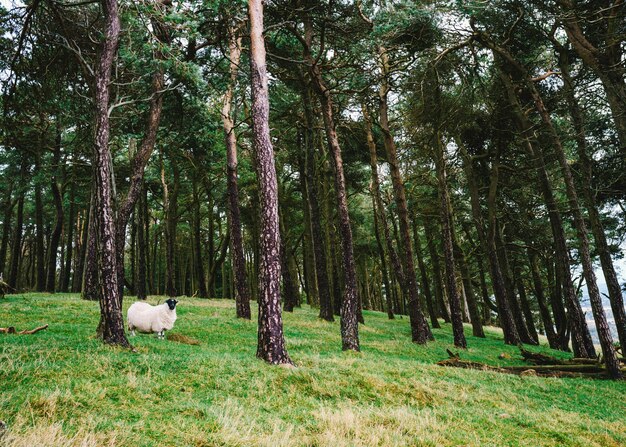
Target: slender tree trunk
[
  {"x": 142, "y": 258},
  {"x": 289, "y": 291},
  {"x": 16, "y": 243},
  {"x": 321, "y": 272},
  {"x": 420, "y": 331},
  {"x": 581, "y": 338},
  {"x": 546, "y": 318},
  {"x": 507, "y": 273},
  {"x": 472, "y": 305},
  {"x": 604, "y": 332},
  {"x": 170, "y": 204},
  {"x": 112, "y": 328},
  {"x": 8, "y": 205},
  {"x": 197, "y": 244},
  {"x": 613, "y": 286},
  {"x": 242, "y": 293},
  {"x": 430, "y": 305},
  {"x": 55, "y": 238},
  {"x": 526, "y": 310},
  {"x": 271, "y": 341},
  {"x": 511, "y": 334},
  {"x": 429, "y": 231},
  {"x": 90, "y": 274},
  {"x": 39, "y": 236},
  {"x": 448, "y": 247},
  {"x": 71, "y": 218},
  {"x": 140, "y": 159}
]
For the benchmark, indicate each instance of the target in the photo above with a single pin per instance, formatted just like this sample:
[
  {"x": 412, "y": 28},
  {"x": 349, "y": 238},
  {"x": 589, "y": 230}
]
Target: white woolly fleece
[{"x": 147, "y": 318}]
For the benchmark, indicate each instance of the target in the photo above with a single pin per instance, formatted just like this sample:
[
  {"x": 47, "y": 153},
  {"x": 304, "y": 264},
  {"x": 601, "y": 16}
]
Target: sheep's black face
[{"x": 171, "y": 303}]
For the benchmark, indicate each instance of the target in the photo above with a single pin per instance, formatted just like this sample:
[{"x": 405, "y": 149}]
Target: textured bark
[
  {"x": 349, "y": 323},
  {"x": 242, "y": 293},
  {"x": 526, "y": 310},
  {"x": 112, "y": 325},
  {"x": 317, "y": 239},
  {"x": 55, "y": 237},
  {"x": 420, "y": 330},
  {"x": 89, "y": 289},
  {"x": 448, "y": 246},
  {"x": 615, "y": 292},
  {"x": 271, "y": 341}
]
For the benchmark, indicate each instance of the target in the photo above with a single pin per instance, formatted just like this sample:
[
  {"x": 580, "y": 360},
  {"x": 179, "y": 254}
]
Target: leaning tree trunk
[
  {"x": 548, "y": 325},
  {"x": 612, "y": 283},
  {"x": 448, "y": 246},
  {"x": 242, "y": 293},
  {"x": 112, "y": 324},
  {"x": 604, "y": 332},
  {"x": 581, "y": 338},
  {"x": 430, "y": 305},
  {"x": 271, "y": 341}
]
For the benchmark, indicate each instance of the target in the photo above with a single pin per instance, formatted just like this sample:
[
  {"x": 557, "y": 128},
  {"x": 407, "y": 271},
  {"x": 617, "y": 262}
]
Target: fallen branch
[{"x": 11, "y": 330}]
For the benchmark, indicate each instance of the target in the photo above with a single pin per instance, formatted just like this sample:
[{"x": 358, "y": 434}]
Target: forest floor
[{"x": 63, "y": 387}]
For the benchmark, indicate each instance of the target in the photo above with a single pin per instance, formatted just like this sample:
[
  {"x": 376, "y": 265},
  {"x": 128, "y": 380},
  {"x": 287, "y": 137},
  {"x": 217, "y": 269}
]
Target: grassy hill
[{"x": 62, "y": 387}]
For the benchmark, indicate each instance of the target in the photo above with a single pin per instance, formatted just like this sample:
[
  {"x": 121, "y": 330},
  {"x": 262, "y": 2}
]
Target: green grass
[{"x": 63, "y": 387}]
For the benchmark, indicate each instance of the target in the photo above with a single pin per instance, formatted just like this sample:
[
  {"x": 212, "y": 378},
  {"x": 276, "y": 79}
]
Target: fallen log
[
  {"x": 11, "y": 330},
  {"x": 537, "y": 358}
]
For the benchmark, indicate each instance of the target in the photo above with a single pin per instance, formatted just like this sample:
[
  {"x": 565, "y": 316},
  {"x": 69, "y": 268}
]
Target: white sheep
[{"x": 152, "y": 319}]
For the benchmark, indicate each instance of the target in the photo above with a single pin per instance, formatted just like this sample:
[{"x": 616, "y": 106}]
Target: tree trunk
[
  {"x": 90, "y": 274},
  {"x": 8, "y": 205},
  {"x": 548, "y": 325},
  {"x": 271, "y": 341},
  {"x": 321, "y": 272},
  {"x": 39, "y": 236},
  {"x": 71, "y": 218},
  {"x": 242, "y": 293},
  {"x": 197, "y": 244},
  {"x": 16, "y": 243},
  {"x": 170, "y": 204},
  {"x": 379, "y": 214},
  {"x": 511, "y": 334},
  {"x": 142, "y": 258},
  {"x": 430, "y": 305},
  {"x": 55, "y": 238},
  {"x": 140, "y": 159},
  {"x": 604, "y": 332},
  {"x": 112, "y": 327},
  {"x": 448, "y": 247},
  {"x": 429, "y": 232},
  {"x": 613, "y": 286},
  {"x": 420, "y": 331}
]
